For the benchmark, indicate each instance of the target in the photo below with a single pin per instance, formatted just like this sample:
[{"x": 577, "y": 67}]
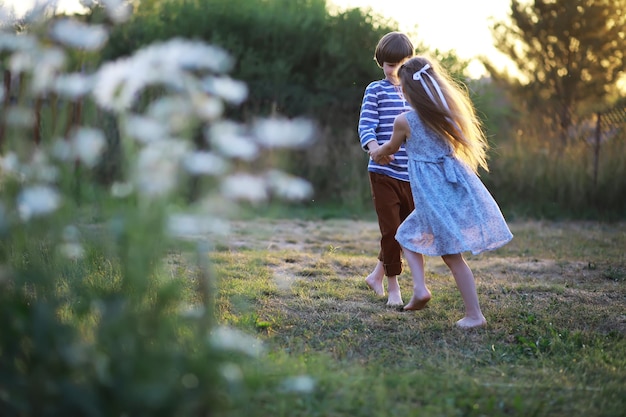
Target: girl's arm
[{"x": 401, "y": 132}]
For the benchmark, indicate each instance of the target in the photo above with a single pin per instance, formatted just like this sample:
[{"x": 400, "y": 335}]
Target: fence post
[{"x": 596, "y": 149}]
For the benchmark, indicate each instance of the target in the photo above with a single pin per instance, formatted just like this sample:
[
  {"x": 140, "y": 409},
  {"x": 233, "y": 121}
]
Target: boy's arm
[{"x": 368, "y": 119}]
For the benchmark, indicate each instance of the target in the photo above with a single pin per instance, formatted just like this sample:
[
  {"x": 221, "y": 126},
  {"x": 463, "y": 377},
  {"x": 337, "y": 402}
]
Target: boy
[{"x": 391, "y": 191}]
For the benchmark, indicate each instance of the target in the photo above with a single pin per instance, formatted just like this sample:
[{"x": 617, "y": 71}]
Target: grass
[{"x": 555, "y": 299}]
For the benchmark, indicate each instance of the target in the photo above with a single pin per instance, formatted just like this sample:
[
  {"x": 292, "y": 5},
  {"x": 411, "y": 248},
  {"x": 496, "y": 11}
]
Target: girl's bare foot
[
  {"x": 470, "y": 323},
  {"x": 418, "y": 301},
  {"x": 376, "y": 284}
]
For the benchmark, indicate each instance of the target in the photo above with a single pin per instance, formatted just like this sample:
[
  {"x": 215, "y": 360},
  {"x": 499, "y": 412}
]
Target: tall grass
[
  {"x": 531, "y": 180},
  {"x": 528, "y": 176}
]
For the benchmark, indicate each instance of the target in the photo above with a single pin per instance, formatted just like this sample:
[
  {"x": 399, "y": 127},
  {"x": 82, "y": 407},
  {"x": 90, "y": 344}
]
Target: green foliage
[
  {"x": 99, "y": 335},
  {"x": 569, "y": 56},
  {"x": 97, "y": 317},
  {"x": 295, "y": 57}
]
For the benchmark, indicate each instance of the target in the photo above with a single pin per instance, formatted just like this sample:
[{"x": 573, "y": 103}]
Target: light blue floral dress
[{"x": 454, "y": 211}]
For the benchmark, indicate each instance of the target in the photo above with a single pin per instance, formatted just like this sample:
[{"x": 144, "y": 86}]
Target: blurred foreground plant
[{"x": 97, "y": 319}]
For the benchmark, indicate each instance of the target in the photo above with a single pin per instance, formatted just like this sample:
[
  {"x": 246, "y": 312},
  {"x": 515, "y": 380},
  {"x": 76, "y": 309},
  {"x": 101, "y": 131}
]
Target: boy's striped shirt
[{"x": 381, "y": 104}]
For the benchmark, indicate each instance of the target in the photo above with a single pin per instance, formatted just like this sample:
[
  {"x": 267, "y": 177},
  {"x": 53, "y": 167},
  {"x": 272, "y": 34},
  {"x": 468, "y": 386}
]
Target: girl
[{"x": 445, "y": 147}]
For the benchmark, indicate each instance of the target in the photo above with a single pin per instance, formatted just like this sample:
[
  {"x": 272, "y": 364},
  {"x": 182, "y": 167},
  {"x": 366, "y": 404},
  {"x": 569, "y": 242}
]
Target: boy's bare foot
[
  {"x": 418, "y": 302},
  {"x": 375, "y": 284},
  {"x": 395, "y": 299},
  {"x": 470, "y": 323}
]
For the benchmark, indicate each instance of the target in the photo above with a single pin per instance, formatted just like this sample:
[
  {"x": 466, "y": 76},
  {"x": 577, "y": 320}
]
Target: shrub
[{"x": 99, "y": 316}]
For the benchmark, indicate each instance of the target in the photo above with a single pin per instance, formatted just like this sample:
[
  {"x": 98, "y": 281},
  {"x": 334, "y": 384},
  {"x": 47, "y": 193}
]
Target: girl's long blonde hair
[{"x": 455, "y": 120}]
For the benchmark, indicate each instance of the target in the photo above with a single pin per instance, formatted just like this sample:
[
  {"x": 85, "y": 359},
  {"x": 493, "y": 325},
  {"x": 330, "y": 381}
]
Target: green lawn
[{"x": 554, "y": 298}]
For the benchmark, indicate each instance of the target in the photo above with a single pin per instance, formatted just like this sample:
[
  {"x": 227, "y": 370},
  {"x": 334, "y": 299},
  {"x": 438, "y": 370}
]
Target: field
[
  {"x": 554, "y": 298},
  {"x": 123, "y": 136}
]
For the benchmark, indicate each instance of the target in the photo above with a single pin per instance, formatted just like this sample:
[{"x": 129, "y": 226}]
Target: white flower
[
  {"x": 79, "y": 35},
  {"x": 227, "y": 338},
  {"x": 207, "y": 107},
  {"x": 37, "y": 200},
  {"x": 169, "y": 64},
  {"x": 20, "y": 117},
  {"x": 85, "y": 145},
  {"x": 73, "y": 85},
  {"x": 302, "y": 384},
  {"x": 232, "y": 91},
  {"x": 230, "y": 139},
  {"x": 156, "y": 173},
  {"x": 283, "y": 133},
  {"x": 17, "y": 42},
  {"x": 118, "y": 10},
  {"x": 145, "y": 129},
  {"x": 287, "y": 186},
  {"x": 7, "y": 18},
  {"x": 174, "y": 111},
  {"x": 155, "y": 69},
  {"x": 88, "y": 144},
  {"x": 62, "y": 150},
  {"x": 10, "y": 163},
  {"x": 40, "y": 168},
  {"x": 21, "y": 61},
  {"x": 204, "y": 163},
  {"x": 121, "y": 189},
  {"x": 119, "y": 83},
  {"x": 231, "y": 372},
  {"x": 110, "y": 80},
  {"x": 40, "y": 10},
  {"x": 190, "y": 225},
  {"x": 72, "y": 250},
  {"x": 187, "y": 55},
  {"x": 48, "y": 64},
  {"x": 244, "y": 187}
]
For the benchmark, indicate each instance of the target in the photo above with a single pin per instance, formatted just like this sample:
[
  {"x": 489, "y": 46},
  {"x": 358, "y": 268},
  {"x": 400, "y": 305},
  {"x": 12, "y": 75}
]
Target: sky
[{"x": 459, "y": 25}]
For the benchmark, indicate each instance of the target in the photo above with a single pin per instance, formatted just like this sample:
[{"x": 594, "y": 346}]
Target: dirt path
[
  {"x": 577, "y": 263},
  {"x": 541, "y": 250}
]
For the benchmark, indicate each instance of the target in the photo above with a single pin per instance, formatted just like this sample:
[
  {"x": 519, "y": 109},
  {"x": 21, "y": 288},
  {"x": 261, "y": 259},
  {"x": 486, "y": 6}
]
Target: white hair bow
[{"x": 417, "y": 76}]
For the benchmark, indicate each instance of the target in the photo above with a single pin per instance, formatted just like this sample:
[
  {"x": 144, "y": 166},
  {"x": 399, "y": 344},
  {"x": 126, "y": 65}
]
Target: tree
[{"x": 569, "y": 54}]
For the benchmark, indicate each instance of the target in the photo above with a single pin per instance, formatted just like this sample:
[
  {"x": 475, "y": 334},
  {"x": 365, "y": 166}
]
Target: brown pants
[{"x": 393, "y": 202}]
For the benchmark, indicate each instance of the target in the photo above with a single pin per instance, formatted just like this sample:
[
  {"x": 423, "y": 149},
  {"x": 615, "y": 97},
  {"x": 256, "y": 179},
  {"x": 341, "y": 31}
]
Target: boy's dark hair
[{"x": 393, "y": 48}]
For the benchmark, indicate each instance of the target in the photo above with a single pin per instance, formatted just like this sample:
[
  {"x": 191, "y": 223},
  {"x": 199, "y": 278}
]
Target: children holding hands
[{"x": 454, "y": 212}]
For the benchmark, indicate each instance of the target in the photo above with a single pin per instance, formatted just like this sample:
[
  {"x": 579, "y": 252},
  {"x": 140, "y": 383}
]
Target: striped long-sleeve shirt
[{"x": 381, "y": 104}]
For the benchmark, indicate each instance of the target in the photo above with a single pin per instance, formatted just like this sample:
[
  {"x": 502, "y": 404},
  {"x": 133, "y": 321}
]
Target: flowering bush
[{"x": 95, "y": 320}]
